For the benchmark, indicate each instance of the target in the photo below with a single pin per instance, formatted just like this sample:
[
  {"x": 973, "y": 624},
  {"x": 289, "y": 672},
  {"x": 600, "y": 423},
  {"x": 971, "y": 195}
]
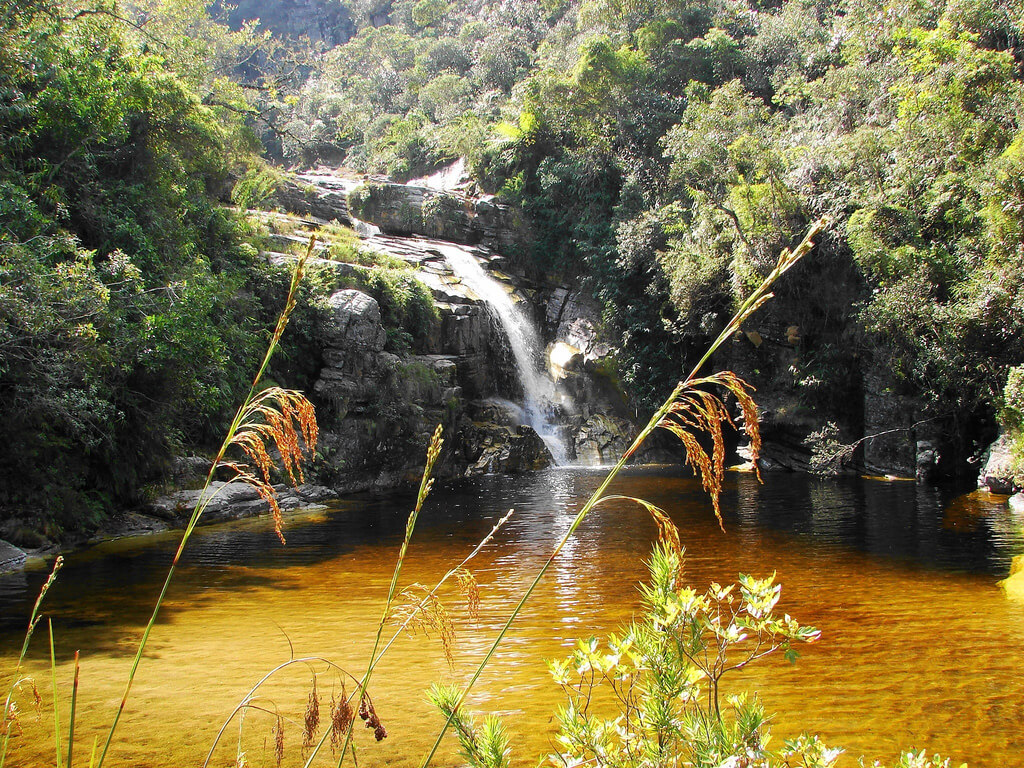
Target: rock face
[
  {"x": 378, "y": 407},
  {"x": 383, "y": 407},
  {"x": 602, "y": 439},
  {"x": 401, "y": 209},
  {"x": 323, "y": 196},
  {"x": 322, "y": 21}
]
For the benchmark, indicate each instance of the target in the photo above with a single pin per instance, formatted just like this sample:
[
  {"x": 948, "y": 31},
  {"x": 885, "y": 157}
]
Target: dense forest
[{"x": 662, "y": 152}]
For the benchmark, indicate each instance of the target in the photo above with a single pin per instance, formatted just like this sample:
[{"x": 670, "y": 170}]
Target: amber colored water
[{"x": 919, "y": 647}]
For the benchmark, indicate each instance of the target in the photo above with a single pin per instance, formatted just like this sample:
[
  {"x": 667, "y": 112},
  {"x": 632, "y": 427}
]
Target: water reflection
[{"x": 919, "y": 647}]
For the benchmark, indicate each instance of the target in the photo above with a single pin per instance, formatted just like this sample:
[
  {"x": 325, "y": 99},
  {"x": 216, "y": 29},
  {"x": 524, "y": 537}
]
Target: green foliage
[
  {"x": 405, "y": 303},
  {"x": 652, "y": 696},
  {"x": 255, "y": 186},
  {"x": 484, "y": 745},
  {"x": 124, "y": 327},
  {"x": 1011, "y": 415}
]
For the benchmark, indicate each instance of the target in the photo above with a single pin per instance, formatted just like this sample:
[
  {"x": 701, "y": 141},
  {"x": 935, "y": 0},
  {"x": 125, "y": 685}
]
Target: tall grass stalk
[
  {"x": 243, "y": 433},
  {"x": 660, "y": 419},
  {"x": 56, "y": 708},
  {"x": 8, "y": 716}
]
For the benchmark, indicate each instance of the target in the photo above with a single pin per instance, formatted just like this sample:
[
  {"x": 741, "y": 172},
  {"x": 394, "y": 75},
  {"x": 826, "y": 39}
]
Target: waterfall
[
  {"x": 541, "y": 401},
  {"x": 448, "y": 179}
]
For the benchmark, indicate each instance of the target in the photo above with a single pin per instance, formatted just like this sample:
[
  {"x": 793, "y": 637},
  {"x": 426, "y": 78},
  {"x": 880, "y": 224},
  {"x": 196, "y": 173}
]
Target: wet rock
[
  {"x": 11, "y": 557},
  {"x": 602, "y": 439},
  {"x": 503, "y": 449},
  {"x": 127, "y": 523},
  {"x": 564, "y": 359},
  {"x": 496, "y": 410},
  {"x": 1001, "y": 473},
  {"x": 574, "y": 318},
  {"x": 927, "y": 461}
]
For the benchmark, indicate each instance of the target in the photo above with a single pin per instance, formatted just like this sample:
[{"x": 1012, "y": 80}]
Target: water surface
[{"x": 919, "y": 647}]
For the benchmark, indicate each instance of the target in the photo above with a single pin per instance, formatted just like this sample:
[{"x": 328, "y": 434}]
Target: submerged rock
[
  {"x": 1013, "y": 585},
  {"x": 1016, "y": 503}
]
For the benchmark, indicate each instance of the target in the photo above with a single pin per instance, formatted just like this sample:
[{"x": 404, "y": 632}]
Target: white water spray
[
  {"x": 542, "y": 402},
  {"x": 448, "y": 179}
]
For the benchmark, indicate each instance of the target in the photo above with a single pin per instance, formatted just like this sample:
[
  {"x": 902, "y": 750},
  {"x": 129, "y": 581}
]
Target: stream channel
[{"x": 919, "y": 648}]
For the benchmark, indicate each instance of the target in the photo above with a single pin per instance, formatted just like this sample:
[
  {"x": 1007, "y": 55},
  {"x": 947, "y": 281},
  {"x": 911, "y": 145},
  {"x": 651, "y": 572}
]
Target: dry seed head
[
  {"x": 698, "y": 411},
  {"x": 422, "y": 611},
  {"x": 278, "y": 740},
  {"x": 341, "y": 719},
  {"x": 471, "y": 589},
  {"x": 369, "y": 716},
  {"x": 311, "y": 721},
  {"x": 285, "y": 419},
  {"x": 11, "y": 721}
]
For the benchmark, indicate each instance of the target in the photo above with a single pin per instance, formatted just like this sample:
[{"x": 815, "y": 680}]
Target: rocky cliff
[{"x": 378, "y": 405}]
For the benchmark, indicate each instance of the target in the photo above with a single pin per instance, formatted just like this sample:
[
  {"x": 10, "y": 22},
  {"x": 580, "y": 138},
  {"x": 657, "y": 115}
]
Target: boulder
[
  {"x": 227, "y": 501},
  {"x": 408, "y": 209},
  {"x": 320, "y": 195},
  {"x": 127, "y": 523},
  {"x": 1001, "y": 472},
  {"x": 11, "y": 557},
  {"x": 352, "y": 319},
  {"x": 497, "y": 448}
]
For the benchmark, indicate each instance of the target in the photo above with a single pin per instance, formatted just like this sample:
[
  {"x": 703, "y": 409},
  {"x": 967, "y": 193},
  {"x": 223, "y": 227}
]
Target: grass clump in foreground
[{"x": 662, "y": 673}]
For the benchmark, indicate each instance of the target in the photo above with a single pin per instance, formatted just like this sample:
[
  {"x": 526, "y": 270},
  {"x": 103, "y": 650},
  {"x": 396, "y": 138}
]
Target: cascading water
[
  {"x": 541, "y": 401},
  {"x": 446, "y": 180}
]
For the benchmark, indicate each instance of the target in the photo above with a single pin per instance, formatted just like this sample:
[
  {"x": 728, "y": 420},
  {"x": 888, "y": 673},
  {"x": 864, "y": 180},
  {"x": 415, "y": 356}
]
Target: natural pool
[{"x": 919, "y": 647}]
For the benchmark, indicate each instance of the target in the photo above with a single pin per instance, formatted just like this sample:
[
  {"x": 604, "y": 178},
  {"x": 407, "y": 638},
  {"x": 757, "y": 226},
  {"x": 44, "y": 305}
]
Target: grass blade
[
  {"x": 74, "y": 702},
  {"x": 56, "y": 703}
]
